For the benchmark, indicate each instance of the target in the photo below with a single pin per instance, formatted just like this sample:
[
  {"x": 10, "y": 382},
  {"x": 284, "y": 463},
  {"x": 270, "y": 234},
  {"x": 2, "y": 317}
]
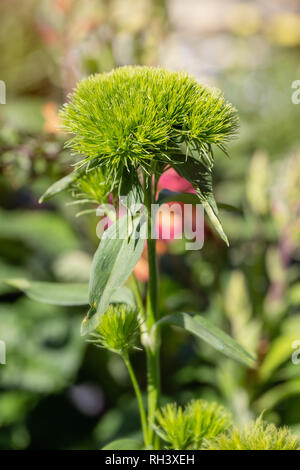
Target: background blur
[{"x": 55, "y": 392}]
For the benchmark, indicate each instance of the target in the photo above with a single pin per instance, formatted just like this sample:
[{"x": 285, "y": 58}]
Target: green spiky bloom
[
  {"x": 256, "y": 436},
  {"x": 133, "y": 116},
  {"x": 186, "y": 428},
  {"x": 207, "y": 421},
  {"x": 174, "y": 426},
  {"x": 136, "y": 120},
  {"x": 118, "y": 329},
  {"x": 91, "y": 186}
]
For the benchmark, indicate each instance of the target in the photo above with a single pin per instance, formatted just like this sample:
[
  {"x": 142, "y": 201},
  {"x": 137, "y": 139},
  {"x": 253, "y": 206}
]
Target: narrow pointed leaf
[
  {"x": 113, "y": 263},
  {"x": 204, "y": 329},
  {"x": 53, "y": 292},
  {"x": 67, "y": 294},
  {"x": 58, "y": 186},
  {"x": 201, "y": 179}
]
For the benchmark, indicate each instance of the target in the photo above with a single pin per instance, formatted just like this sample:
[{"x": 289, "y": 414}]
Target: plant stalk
[
  {"x": 138, "y": 296},
  {"x": 139, "y": 399},
  {"x": 152, "y": 348}
]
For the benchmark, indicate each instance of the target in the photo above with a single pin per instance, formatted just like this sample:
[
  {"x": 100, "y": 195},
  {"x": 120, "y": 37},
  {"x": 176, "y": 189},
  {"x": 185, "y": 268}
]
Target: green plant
[{"x": 129, "y": 126}]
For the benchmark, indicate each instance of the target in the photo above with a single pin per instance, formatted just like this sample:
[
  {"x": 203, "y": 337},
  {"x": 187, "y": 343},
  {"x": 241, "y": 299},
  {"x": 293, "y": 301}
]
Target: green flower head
[
  {"x": 134, "y": 116},
  {"x": 118, "y": 329},
  {"x": 187, "y": 428}
]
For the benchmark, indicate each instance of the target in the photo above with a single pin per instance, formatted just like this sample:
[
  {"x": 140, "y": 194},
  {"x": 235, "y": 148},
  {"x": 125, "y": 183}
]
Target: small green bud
[{"x": 118, "y": 329}]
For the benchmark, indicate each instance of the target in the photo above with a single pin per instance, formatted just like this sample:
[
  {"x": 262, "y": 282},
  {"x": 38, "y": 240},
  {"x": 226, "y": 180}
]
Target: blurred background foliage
[{"x": 55, "y": 392}]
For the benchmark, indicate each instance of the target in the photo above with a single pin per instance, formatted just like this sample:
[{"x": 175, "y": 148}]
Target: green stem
[
  {"x": 152, "y": 349},
  {"x": 139, "y": 398},
  {"x": 138, "y": 297}
]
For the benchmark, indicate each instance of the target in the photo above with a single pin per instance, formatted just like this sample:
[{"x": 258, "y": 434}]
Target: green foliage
[
  {"x": 186, "y": 428},
  {"x": 58, "y": 187},
  {"x": 53, "y": 292},
  {"x": 41, "y": 231},
  {"x": 41, "y": 370},
  {"x": 117, "y": 330},
  {"x": 256, "y": 436},
  {"x": 208, "y": 332},
  {"x": 134, "y": 116},
  {"x": 44, "y": 343}
]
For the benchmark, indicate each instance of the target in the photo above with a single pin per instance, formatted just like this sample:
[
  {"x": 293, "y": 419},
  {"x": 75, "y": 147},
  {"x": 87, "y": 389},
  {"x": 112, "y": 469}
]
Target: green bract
[
  {"x": 134, "y": 116},
  {"x": 91, "y": 186}
]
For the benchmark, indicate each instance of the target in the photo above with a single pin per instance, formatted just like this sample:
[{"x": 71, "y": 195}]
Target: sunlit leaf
[
  {"x": 58, "y": 186},
  {"x": 204, "y": 329},
  {"x": 52, "y": 292}
]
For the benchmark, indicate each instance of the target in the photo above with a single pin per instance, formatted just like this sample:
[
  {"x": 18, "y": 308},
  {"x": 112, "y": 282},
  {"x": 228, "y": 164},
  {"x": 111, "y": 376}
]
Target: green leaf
[
  {"x": 58, "y": 186},
  {"x": 67, "y": 294},
  {"x": 277, "y": 394},
  {"x": 123, "y": 295},
  {"x": 200, "y": 178},
  {"x": 52, "y": 292},
  {"x": 280, "y": 351},
  {"x": 124, "y": 444},
  {"x": 212, "y": 335},
  {"x": 113, "y": 262}
]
